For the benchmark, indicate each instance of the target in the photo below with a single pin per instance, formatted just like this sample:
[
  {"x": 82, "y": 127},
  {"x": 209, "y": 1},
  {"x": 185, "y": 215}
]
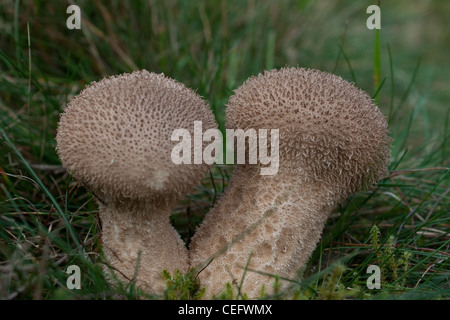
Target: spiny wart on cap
[
  {"x": 114, "y": 137},
  {"x": 333, "y": 141}
]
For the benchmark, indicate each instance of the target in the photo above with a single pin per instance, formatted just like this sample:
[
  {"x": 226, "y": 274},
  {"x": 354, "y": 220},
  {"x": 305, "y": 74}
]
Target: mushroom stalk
[
  {"x": 140, "y": 245},
  {"x": 333, "y": 141},
  {"x": 257, "y": 237}
]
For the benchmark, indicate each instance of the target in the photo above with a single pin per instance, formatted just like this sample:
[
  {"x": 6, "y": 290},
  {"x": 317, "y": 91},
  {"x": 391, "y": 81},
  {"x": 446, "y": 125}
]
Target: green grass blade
[{"x": 45, "y": 190}]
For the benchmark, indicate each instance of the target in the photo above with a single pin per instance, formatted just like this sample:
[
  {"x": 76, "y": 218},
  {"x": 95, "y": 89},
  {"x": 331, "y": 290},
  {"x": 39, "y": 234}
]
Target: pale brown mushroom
[
  {"x": 333, "y": 141},
  {"x": 115, "y": 138}
]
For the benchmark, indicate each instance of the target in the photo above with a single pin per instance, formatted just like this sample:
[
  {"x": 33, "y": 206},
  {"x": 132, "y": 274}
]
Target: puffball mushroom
[
  {"x": 333, "y": 141},
  {"x": 115, "y": 138}
]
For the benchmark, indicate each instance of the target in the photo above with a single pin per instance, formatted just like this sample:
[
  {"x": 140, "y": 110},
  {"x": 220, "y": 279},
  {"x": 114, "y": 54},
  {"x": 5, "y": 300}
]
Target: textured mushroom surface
[
  {"x": 115, "y": 138},
  {"x": 333, "y": 141}
]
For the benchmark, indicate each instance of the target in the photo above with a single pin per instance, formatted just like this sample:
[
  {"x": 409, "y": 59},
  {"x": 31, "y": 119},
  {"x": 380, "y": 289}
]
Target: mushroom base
[
  {"x": 140, "y": 246},
  {"x": 263, "y": 225}
]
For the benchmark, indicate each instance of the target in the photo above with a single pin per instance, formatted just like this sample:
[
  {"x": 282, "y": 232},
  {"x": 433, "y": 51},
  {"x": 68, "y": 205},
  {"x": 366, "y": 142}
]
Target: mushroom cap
[
  {"x": 115, "y": 137},
  {"x": 329, "y": 130}
]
